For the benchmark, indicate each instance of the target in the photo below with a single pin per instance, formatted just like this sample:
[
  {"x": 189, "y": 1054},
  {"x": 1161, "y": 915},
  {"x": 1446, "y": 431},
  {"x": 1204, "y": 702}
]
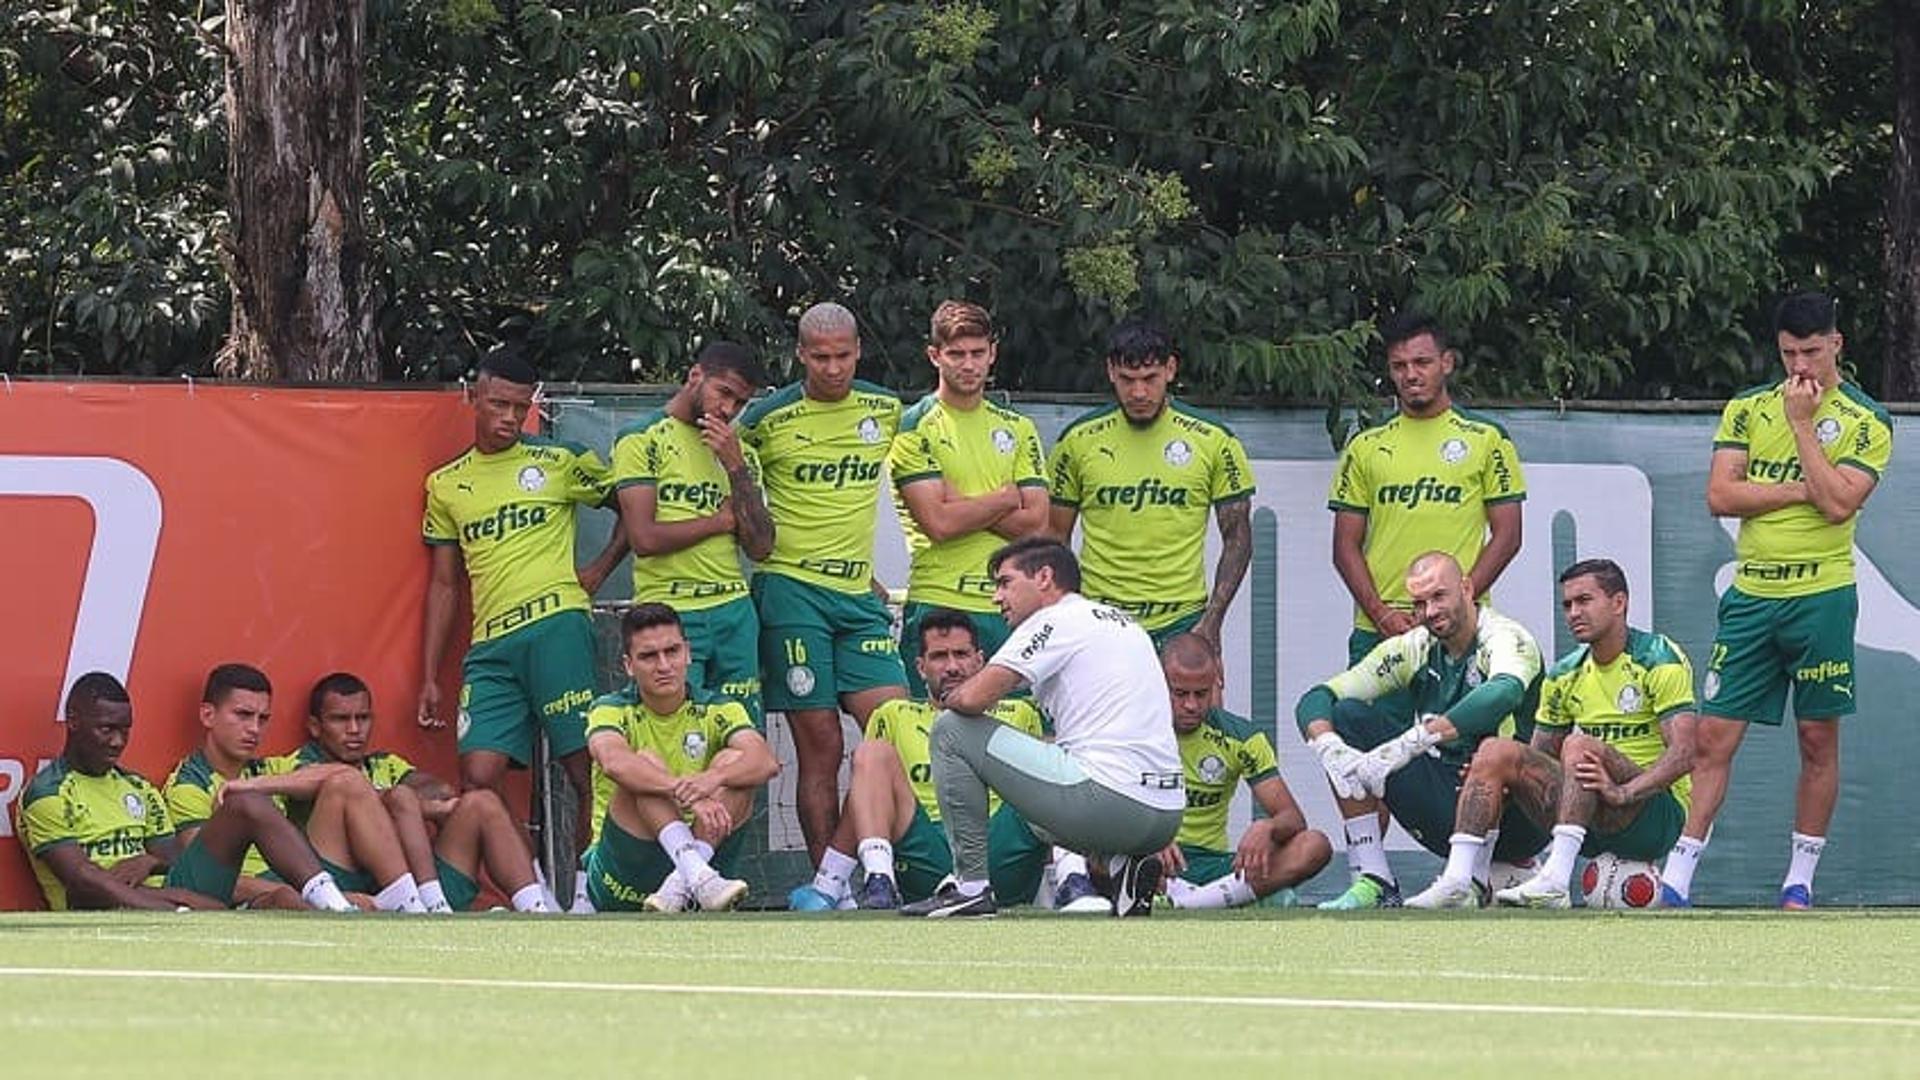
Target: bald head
[
  {"x": 1188, "y": 652},
  {"x": 1193, "y": 680},
  {"x": 1436, "y": 562},
  {"x": 1442, "y": 597}
]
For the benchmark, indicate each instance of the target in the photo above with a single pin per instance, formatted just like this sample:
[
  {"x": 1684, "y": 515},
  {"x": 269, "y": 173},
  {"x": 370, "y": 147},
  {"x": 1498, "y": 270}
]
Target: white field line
[
  {"x": 603, "y": 950},
  {"x": 979, "y": 996}
]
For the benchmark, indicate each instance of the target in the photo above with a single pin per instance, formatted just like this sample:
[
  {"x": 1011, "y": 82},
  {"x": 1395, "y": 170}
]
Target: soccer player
[
  {"x": 891, "y": 819},
  {"x": 1108, "y": 787},
  {"x": 1139, "y": 476},
  {"x": 96, "y": 833},
  {"x": 469, "y": 829},
  {"x": 688, "y": 492},
  {"x": 674, "y": 777},
  {"x": 1467, "y": 669},
  {"x": 970, "y": 476},
  {"x": 504, "y": 510},
  {"x": 347, "y": 826},
  {"x": 1611, "y": 747},
  {"x": 1795, "y": 461},
  {"x": 1433, "y": 477},
  {"x": 826, "y": 638},
  {"x": 1217, "y": 751}
]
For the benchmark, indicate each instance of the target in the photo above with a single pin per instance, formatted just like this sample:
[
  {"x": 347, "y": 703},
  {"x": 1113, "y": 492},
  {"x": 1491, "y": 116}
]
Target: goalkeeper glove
[{"x": 1339, "y": 761}]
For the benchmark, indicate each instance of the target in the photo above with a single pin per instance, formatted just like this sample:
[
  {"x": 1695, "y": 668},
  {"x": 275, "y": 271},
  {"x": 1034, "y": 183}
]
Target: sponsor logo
[
  {"x": 869, "y": 430},
  {"x": 1003, "y": 440},
  {"x": 505, "y": 520},
  {"x": 514, "y": 618},
  {"x": 1630, "y": 699},
  {"x": 800, "y": 680},
  {"x": 1212, "y": 769},
  {"x": 1822, "y": 671},
  {"x": 703, "y": 497},
  {"x": 1177, "y": 452},
  {"x": 1150, "y": 491},
  {"x": 1774, "y": 471},
  {"x": 850, "y": 469},
  {"x": 567, "y": 702},
  {"x": 1786, "y": 571},
  {"x": 1453, "y": 451},
  {"x": 1827, "y": 431},
  {"x": 1200, "y": 799},
  {"x": 1427, "y": 489},
  {"x": 532, "y": 478},
  {"x": 694, "y": 745},
  {"x": 1615, "y": 733},
  {"x": 1037, "y": 642}
]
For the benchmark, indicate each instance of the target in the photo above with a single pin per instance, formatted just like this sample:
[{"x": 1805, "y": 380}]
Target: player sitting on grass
[
  {"x": 96, "y": 833},
  {"x": 1613, "y": 742},
  {"x": 1467, "y": 669},
  {"x": 347, "y": 826},
  {"x": 1218, "y": 750},
  {"x": 891, "y": 817},
  {"x": 674, "y": 775},
  {"x": 446, "y": 837}
]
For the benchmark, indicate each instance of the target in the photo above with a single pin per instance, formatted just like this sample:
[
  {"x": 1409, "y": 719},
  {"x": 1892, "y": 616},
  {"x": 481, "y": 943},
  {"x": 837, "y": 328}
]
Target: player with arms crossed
[
  {"x": 1139, "y": 476},
  {"x": 1433, "y": 477},
  {"x": 970, "y": 477},
  {"x": 505, "y": 511},
  {"x": 1466, "y": 670},
  {"x": 346, "y": 825},
  {"x": 1606, "y": 769},
  {"x": 1795, "y": 462},
  {"x": 96, "y": 833},
  {"x": 1108, "y": 786},
  {"x": 1218, "y": 750},
  {"x": 826, "y": 640},
  {"x": 674, "y": 775},
  {"x": 446, "y": 836},
  {"x": 891, "y": 817},
  {"x": 688, "y": 492}
]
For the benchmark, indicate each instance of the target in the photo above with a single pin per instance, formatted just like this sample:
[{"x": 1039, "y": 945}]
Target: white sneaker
[
  {"x": 1535, "y": 892},
  {"x": 716, "y": 893},
  {"x": 1445, "y": 893},
  {"x": 672, "y": 895}
]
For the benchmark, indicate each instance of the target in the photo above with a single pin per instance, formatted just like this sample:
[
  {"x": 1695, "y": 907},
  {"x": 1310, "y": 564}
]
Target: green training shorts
[
  {"x": 542, "y": 673},
  {"x": 622, "y": 869},
  {"x": 817, "y": 643},
  {"x": 199, "y": 871},
  {"x": 1205, "y": 864},
  {"x": 1761, "y": 646},
  {"x": 1648, "y": 837},
  {"x": 723, "y": 643}
]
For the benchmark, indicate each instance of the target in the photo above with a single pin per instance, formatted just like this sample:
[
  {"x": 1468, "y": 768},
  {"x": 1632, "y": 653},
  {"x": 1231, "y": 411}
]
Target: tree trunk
[
  {"x": 1901, "y": 246},
  {"x": 297, "y": 253}
]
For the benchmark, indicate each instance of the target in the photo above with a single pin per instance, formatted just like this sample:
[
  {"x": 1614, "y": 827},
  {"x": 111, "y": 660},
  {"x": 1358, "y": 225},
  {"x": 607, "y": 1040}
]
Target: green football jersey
[
  {"x": 1143, "y": 495},
  {"x": 907, "y": 726},
  {"x": 512, "y": 513},
  {"x": 688, "y": 482},
  {"x": 191, "y": 791},
  {"x": 111, "y": 817},
  {"x": 1417, "y": 662},
  {"x": 383, "y": 769},
  {"x": 1424, "y": 485},
  {"x": 1623, "y": 702},
  {"x": 820, "y": 463},
  {"x": 1215, "y": 756},
  {"x": 688, "y": 740},
  {"x": 974, "y": 452},
  {"x": 1795, "y": 551}
]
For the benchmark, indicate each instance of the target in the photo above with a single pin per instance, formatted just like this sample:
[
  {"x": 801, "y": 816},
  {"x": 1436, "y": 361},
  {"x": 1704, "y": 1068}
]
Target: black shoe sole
[{"x": 1133, "y": 892}]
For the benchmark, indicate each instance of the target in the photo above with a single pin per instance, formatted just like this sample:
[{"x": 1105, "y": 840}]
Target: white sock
[
  {"x": 836, "y": 870},
  {"x": 322, "y": 893},
  {"x": 1806, "y": 856},
  {"x": 434, "y": 899},
  {"x": 402, "y": 895},
  {"x": 705, "y": 849},
  {"x": 971, "y": 888},
  {"x": 1231, "y": 891},
  {"x": 876, "y": 857},
  {"x": 1365, "y": 852},
  {"x": 685, "y": 851},
  {"x": 1558, "y": 869},
  {"x": 531, "y": 898},
  {"x": 546, "y": 887},
  {"x": 1067, "y": 863},
  {"x": 1677, "y": 873},
  {"x": 1462, "y": 854},
  {"x": 1483, "y": 863},
  {"x": 582, "y": 903}
]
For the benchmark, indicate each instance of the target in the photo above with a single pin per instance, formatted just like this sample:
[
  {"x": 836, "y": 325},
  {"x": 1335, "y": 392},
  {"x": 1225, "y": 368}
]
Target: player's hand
[
  {"x": 1173, "y": 861},
  {"x": 360, "y": 900},
  {"x": 1339, "y": 760},
  {"x": 132, "y": 870},
  {"x": 429, "y": 713},
  {"x": 1594, "y": 777},
  {"x": 231, "y": 787},
  {"x": 591, "y": 578},
  {"x": 724, "y": 521},
  {"x": 699, "y": 787},
  {"x": 720, "y": 438},
  {"x": 1394, "y": 623},
  {"x": 711, "y": 821},
  {"x": 1208, "y": 630},
  {"x": 1800, "y": 397},
  {"x": 1255, "y": 852}
]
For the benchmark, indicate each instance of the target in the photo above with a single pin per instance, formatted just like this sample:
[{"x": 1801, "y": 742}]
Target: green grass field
[{"x": 1699, "y": 994}]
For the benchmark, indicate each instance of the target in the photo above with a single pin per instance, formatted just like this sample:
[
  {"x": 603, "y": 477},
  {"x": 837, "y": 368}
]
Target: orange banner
[{"x": 155, "y": 531}]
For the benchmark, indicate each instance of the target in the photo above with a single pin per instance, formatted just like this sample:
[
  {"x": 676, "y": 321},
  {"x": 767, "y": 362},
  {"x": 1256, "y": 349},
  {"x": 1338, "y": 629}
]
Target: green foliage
[{"x": 1600, "y": 198}]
